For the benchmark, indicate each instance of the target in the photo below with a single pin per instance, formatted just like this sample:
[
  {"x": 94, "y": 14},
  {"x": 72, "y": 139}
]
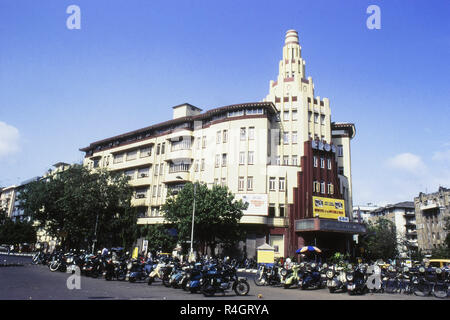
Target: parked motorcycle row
[
  {"x": 357, "y": 279},
  {"x": 208, "y": 276}
]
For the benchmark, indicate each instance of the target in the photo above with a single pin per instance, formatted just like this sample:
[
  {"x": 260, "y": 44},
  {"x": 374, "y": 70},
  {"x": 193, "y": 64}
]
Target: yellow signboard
[
  {"x": 265, "y": 256},
  {"x": 328, "y": 208}
]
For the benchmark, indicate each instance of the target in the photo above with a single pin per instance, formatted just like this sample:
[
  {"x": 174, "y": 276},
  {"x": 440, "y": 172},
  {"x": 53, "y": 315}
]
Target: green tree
[
  {"x": 79, "y": 206},
  {"x": 159, "y": 237},
  {"x": 380, "y": 241},
  {"x": 217, "y": 216},
  {"x": 17, "y": 232}
]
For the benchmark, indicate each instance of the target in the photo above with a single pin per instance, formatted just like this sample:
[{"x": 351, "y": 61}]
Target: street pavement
[{"x": 37, "y": 282}]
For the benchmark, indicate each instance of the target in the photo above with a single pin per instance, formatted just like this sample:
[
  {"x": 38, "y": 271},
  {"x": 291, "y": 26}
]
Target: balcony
[
  {"x": 173, "y": 176},
  {"x": 138, "y": 202}
]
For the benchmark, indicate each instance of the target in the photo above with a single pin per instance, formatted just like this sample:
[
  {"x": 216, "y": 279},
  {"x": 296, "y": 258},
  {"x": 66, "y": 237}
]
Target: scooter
[
  {"x": 336, "y": 279},
  {"x": 292, "y": 278},
  {"x": 356, "y": 280}
]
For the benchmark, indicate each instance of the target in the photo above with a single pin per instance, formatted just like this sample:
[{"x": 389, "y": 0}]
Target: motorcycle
[
  {"x": 336, "y": 279},
  {"x": 356, "y": 280},
  {"x": 58, "y": 263},
  {"x": 312, "y": 277},
  {"x": 160, "y": 271},
  {"x": 267, "y": 275},
  {"x": 222, "y": 279},
  {"x": 391, "y": 282},
  {"x": 115, "y": 269},
  {"x": 138, "y": 269},
  {"x": 194, "y": 276},
  {"x": 440, "y": 287},
  {"x": 422, "y": 286}
]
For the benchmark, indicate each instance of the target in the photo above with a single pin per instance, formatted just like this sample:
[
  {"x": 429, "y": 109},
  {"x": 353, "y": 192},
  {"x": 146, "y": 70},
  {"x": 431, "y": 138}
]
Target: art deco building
[
  {"x": 432, "y": 211},
  {"x": 284, "y": 156}
]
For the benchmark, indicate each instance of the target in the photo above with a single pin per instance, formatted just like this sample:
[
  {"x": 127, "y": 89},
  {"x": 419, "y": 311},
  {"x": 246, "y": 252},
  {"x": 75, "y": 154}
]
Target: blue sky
[{"x": 133, "y": 60}]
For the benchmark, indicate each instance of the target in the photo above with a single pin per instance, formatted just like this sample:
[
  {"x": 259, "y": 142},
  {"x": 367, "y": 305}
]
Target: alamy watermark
[
  {"x": 74, "y": 20},
  {"x": 374, "y": 20},
  {"x": 74, "y": 281}
]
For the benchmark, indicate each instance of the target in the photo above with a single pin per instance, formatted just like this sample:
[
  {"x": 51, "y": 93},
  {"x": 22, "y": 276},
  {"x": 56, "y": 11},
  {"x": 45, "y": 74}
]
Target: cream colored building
[{"x": 256, "y": 149}]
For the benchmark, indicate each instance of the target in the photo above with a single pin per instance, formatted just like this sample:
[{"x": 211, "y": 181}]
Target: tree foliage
[
  {"x": 159, "y": 237},
  {"x": 217, "y": 216},
  {"x": 18, "y": 232},
  {"x": 75, "y": 204},
  {"x": 380, "y": 242}
]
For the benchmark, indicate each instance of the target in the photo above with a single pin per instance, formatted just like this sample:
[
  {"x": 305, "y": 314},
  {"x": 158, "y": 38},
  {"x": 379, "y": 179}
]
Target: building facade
[
  {"x": 283, "y": 155},
  {"x": 402, "y": 214},
  {"x": 361, "y": 213},
  {"x": 432, "y": 211}
]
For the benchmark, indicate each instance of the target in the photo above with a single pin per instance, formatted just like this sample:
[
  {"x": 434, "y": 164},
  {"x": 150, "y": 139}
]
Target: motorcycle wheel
[
  {"x": 286, "y": 286},
  {"x": 422, "y": 290},
  {"x": 121, "y": 277},
  {"x": 332, "y": 290},
  {"x": 108, "y": 277},
  {"x": 208, "y": 290},
  {"x": 441, "y": 292},
  {"x": 193, "y": 290},
  {"x": 54, "y": 266},
  {"x": 260, "y": 281},
  {"x": 242, "y": 288},
  {"x": 150, "y": 281},
  {"x": 132, "y": 279},
  {"x": 166, "y": 282}
]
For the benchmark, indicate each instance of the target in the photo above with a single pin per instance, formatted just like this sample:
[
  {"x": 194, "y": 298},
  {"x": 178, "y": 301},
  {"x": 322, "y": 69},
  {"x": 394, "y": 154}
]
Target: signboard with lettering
[
  {"x": 328, "y": 208},
  {"x": 257, "y": 203}
]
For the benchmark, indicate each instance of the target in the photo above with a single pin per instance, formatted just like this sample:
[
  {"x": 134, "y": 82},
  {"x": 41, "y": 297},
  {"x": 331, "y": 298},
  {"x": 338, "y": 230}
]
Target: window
[
  {"x": 272, "y": 210},
  {"x": 156, "y": 169},
  {"x": 316, "y": 118},
  {"x": 203, "y": 165},
  {"x": 154, "y": 191},
  {"x": 294, "y": 115},
  {"x": 216, "y": 181},
  {"x": 130, "y": 173},
  {"x": 250, "y": 157},
  {"x": 315, "y": 162},
  {"x": 286, "y": 115},
  {"x": 163, "y": 147},
  {"x": 294, "y": 137},
  {"x": 196, "y": 168},
  {"x": 281, "y": 210},
  {"x": 322, "y": 187},
  {"x": 340, "y": 150},
  {"x": 225, "y": 136},
  {"x": 243, "y": 134},
  {"x": 330, "y": 188},
  {"x": 96, "y": 163},
  {"x": 281, "y": 184},
  {"x": 249, "y": 183},
  {"x": 143, "y": 172},
  {"x": 285, "y": 160},
  {"x": 329, "y": 164},
  {"x": 218, "y": 136},
  {"x": 141, "y": 193},
  {"x": 223, "y": 183},
  {"x": 316, "y": 186},
  {"x": 236, "y": 113},
  {"x": 295, "y": 160},
  {"x": 118, "y": 158},
  {"x": 159, "y": 190},
  {"x": 145, "y": 152},
  {"x": 341, "y": 170},
  {"x": 217, "y": 160},
  {"x": 322, "y": 119},
  {"x": 224, "y": 159},
  {"x": 272, "y": 184},
  {"x": 198, "y": 142},
  {"x": 251, "y": 133},
  {"x": 310, "y": 116},
  {"x": 322, "y": 162},
  {"x": 131, "y": 155},
  {"x": 285, "y": 137},
  {"x": 241, "y": 157},
  {"x": 241, "y": 184},
  {"x": 204, "y": 142},
  {"x": 278, "y": 161},
  {"x": 161, "y": 169}
]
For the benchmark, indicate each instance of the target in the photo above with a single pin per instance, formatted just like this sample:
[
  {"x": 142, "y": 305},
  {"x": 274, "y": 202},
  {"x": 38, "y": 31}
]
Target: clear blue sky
[{"x": 132, "y": 60}]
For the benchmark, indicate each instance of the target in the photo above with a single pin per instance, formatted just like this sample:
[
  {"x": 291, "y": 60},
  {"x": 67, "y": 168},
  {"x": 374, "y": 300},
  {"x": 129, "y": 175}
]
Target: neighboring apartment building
[
  {"x": 432, "y": 210},
  {"x": 361, "y": 213},
  {"x": 284, "y": 156},
  {"x": 403, "y": 216},
  {"x": 8, "y": 199}
]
